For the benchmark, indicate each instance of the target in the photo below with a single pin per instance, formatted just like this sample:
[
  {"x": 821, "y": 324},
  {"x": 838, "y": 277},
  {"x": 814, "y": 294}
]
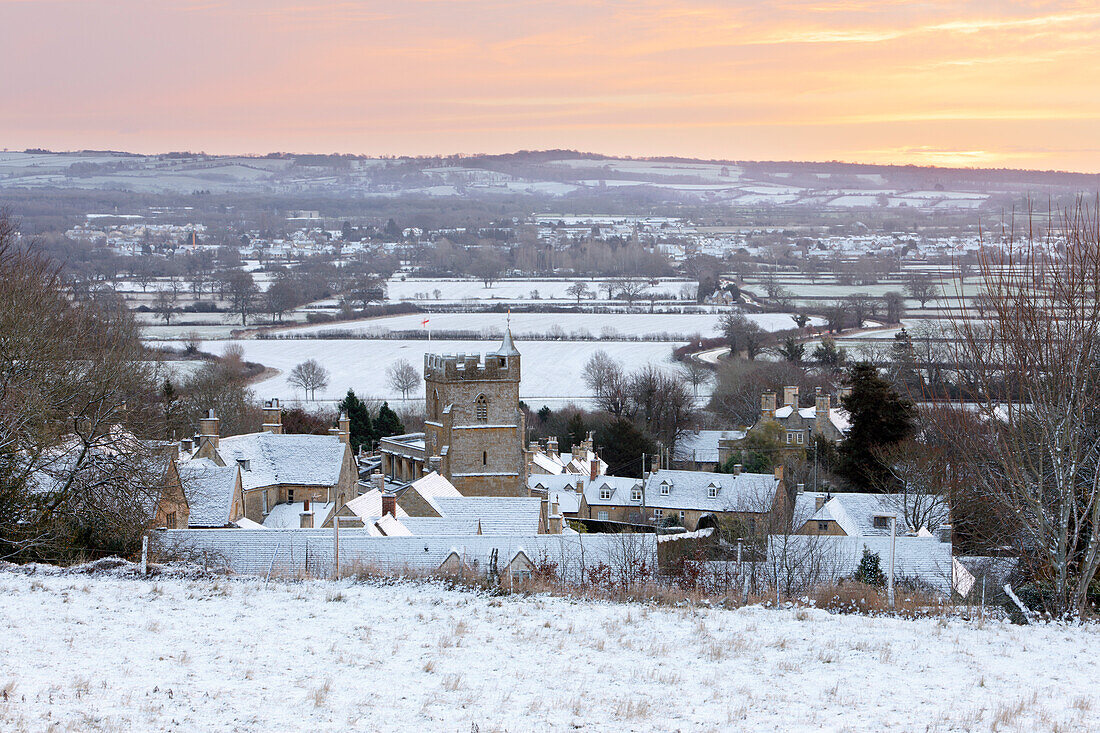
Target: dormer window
[
  {"x": 481, "y": 408},
  {"x": 244, "y": 464},
  {"x": 882, "y": 522},
  {"x": 666, "y": 489},
  {"x": 636, "y": 494},
  {"x": 605, "y": 494},
  {"x": 712, "y": 490}
]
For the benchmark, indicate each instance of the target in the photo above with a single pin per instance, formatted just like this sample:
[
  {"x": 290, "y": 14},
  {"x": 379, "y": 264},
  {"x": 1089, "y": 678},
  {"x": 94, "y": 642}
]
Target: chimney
[
  {"x": 208, "y": 426},
  {"x": 554, "y": 525},
  {"x": 822, "y": 405},
  {"x": 819, "y": 502},
  {"x": 779, "y": 473},
  {"x": 378, "y": 481},
  {"x": 187, "y": 445},
  {"x": 306, "y": 520},
  {"x": 273, "y": 416},
  {"x": 389, "y": 504},
  {"x": 435, "y": 463},
  {"x": 800, "y": 488},
  {"x": 655, "y": 464},
  {"x": 345, "y": 428},
  {"x": 767, "y": 405},
  {"x": 737, "y": 469},
  {"x": 790, "y": 396},
  {"x": 593, "y": 469},
  {"x": 552, "y": 447}
]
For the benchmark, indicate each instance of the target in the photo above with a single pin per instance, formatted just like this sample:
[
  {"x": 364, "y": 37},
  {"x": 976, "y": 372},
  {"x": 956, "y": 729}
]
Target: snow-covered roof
[
  {"x": 289, "y": 515},
  {"x": 560, "y": 482},
  {"x": 702, "y": 445},
  {"x": 923, "y": 558},
  {"x": 496, "y": 515},
  {"x": 745, "y": 492},
  {"x": 506, "y": 348},
  {"x": 303, "y": 460},
  {"x": 621, "y": 489},
  {"x": 548, "y": 464},
  {"x": 209, "y": 490},
  {"x": 838, "y": 416},
  {"x": 369, "y": 505},
  {"x": 854, "y": 512}
]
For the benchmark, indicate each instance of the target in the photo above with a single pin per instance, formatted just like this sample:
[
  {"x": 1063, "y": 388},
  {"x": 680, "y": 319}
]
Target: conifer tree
[
  {"x": 387, "y": 422},
  {"x": 880, "y": 417},
  {"x": 362, "y": 427}
]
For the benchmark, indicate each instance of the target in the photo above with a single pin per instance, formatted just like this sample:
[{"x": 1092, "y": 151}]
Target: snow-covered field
[
  {"x": 491, "y": 325},
  {"x": 551, "y": 369},
  {"x": 463, "y": 289},
  {"x": 99, "y": 653}
]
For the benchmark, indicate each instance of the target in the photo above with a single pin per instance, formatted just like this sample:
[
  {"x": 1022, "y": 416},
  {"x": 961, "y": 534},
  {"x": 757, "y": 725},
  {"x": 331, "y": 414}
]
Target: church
[{"x": 474, "y": 428}]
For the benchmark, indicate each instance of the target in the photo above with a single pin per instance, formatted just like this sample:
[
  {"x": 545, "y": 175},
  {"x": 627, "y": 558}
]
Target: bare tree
[
  {"x": 309, "y": 376},
  {"x": 696, "y": 374},
  {"x": 631, "y": 288},
  {"x": 75, "y": 389},
  {"x": 921, "y": 287},
  {"x": 1038, "y": 463},
  {"x": 242, "y": 293},
  {"x": 578, "y": 290},
  {"x": 402, "y": 377},
  {"x": 608, "y": 382},
  {"x": 165, "y": 304},
  {"x": 742, "y": 334}
]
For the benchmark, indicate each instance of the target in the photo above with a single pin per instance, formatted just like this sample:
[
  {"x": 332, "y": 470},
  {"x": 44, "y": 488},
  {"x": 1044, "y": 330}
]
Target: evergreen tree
[
  {"x": 869, "y": 571},
  {"x": 622, "y": 445},
  {"x": 387, "y": 423},
  {"x": 362, "y": 427},
  {"x": 903, "y": 358},
  {"x": 578, "y": 431},
  {"x": 879, "y": 417}
]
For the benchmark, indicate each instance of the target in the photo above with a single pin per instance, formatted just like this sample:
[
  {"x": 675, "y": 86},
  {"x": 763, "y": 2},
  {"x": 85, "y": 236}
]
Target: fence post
[{"x": 144, "y": 554}]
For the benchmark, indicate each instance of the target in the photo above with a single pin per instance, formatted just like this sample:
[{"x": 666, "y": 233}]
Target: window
[
  {"x": 481, "y": 408},
  {"x": 435, "y": 404},
  {"x": 822, "y": 526},
  {"x": 882, "y": 522},
  {"x": 658, "y": 513},
  {"x": 485, "y": 458},
  {"x": 790, "y": 438},
  {"x": 603, "y": 516},
  {"x": 712, "y": 491},
  {"x": 665, "y": 488},
  {"x": 290, "y": 495},
  {"x": 265, "y": 503},
  {"x": 801, "y": 438},
  {"x": 170, "y": 520},
  {"x": 635, "y": 494},
  {"x": 605, "y": 493},
  {"x": 682, "y": 515}
]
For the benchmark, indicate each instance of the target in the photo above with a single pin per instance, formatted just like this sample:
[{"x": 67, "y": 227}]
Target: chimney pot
[
  {"x": 378, "y": 480},
  {"x": 737, "y": 469}
]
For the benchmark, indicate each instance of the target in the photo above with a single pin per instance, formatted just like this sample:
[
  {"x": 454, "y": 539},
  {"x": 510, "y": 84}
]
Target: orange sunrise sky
[{"x": 960, "y": 83}]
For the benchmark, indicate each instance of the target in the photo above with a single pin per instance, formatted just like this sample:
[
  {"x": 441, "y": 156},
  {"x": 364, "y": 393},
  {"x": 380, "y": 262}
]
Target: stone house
[
  {"x": 550, "y": 462},
  {"x": 214, "y": 493},
  {"x": 279, "y": 469},
  {"x": 798, "y": 424},
  {"x": 851, "y": 514}
]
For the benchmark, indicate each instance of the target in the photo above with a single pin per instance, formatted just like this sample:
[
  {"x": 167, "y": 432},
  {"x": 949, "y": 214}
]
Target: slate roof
[
  {"x": 620, "y": 486},
  {"x": 496, "y": 515},
  {"x": 209, "y": 490},
  {"x": 369, "y": 505},
  {"x": 854, "y": 512},
  {"x": 747, "y": 492},
  {"x": 304, "y": 460},
  {"x": 289, "y": 515},
  {"x": 702, "y": 445},
  {"x": 837, "y": 416}
]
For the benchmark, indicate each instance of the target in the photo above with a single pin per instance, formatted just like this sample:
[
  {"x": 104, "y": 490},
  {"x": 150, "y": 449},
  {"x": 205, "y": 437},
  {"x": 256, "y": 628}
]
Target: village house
[
  {"x": 287, "y": 480},
  {"x": 548, "y": 461},
  {"x": 850, "y": 514},
  {"x": 796, "y": 426}
]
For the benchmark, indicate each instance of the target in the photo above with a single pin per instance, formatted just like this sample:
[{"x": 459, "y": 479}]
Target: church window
[
  {"x": 435, "y": 404},
  {"x": 485, "y": 458},
  {"x": 481, "y": 408}
]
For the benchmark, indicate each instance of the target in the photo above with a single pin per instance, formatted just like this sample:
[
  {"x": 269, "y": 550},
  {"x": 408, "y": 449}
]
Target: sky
[{"x": 955, "y": 82}]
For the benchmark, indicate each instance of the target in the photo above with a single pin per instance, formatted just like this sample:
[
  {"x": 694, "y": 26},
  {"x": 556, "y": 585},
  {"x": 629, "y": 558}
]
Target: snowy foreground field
[{"x": 86, "y": 653}]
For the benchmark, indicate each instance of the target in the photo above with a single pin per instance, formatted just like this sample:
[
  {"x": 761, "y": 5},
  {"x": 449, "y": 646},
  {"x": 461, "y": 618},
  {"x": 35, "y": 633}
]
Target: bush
[{"x": 850, "y": 597}]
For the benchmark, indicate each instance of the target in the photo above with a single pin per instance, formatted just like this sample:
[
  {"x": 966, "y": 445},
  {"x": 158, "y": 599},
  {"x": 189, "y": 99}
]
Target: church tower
[{"x": 474, "y": 429}]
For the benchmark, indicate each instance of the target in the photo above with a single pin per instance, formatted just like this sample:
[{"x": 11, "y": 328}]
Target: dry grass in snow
[{"x": 108, "y": 654}]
